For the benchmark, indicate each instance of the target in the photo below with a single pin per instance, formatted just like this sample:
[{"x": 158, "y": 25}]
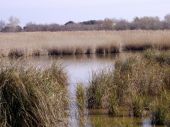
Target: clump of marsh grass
[
  {"x": 89, "y": 51},
  {"x": 166, "y": 78},
  {"x": 31, "y": 96},
  {"x": 107, "y": 49},
  {"x": 59, "y": 51},
  {"x": 114, "y": 49},
  {"x": 113, "y": 105},
  {"x": 159, "y": 115},
  {"x": 79, "y": 51},
  {"x": 100, "y": 50},
  {"x": 15, "y": 53},
  {"x": 121, "y": 74},
  {"x": 2, "y": 54},
  {"x": 160, "y": 109},
  {"x": 137, "y": 106},
  {"x": 94, "y": 95},
  {"x": 134, "y": 83},
  {"x": 67, "y": 51},
  {"x": 102, "y": 93},
  {"x": 162, "y": 57},
  {"x": 81, "y": 98},
  {"x": 162, "y": 46},
  {"x": 140, "y": 75},
  {"x": 36, "y": 53},
  {"x": 141, "y": 78},
  {"x": 81, "y": 103},
  {"x": 136, "y": 47},
  {"x": 54, "y": 51},
  {"x": 97, "y": 92}
]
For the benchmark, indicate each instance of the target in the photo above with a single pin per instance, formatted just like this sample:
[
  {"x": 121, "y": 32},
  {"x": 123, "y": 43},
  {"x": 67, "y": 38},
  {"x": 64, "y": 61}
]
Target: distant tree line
[{"x": 144, "y": 23}]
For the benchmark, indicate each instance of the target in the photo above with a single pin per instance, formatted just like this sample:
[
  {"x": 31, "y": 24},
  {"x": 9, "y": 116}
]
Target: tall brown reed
[
  {"x": 31, "y": 96},
  {"x": 86, "y": 42}
]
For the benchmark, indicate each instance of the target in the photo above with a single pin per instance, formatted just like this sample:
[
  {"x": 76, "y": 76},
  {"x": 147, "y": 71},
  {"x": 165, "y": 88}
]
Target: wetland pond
[{"x": 79, "y": 70}]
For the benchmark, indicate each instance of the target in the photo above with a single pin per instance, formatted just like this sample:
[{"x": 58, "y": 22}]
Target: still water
[{"x": 79, "y": 70}]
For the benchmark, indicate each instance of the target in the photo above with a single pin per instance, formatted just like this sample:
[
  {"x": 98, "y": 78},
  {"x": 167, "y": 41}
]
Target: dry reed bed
[
  {"x": 85, "y": 42},
  {"x": 32, "y": 97}
]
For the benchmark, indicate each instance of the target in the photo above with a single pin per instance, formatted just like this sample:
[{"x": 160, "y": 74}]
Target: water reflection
[
  {"x": 147, "y": 122},
  {"x": 80, "y": 71}
]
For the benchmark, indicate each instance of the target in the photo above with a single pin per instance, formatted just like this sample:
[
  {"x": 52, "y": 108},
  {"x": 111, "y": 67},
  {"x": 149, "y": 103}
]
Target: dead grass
[
  {"x": 85, "y": 42},
  {"x": 31, "y": 96}
]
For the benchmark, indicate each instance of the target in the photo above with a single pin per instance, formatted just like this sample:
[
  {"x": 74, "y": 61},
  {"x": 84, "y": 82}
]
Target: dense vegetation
[
  {"x": 31, "y": 96},
  {"x": 81, "y": 42},
  {"x": 139, "y": 85}
]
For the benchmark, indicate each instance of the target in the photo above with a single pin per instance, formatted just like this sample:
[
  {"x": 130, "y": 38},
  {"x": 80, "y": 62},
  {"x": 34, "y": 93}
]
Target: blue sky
[{"x": 61, "y": 11}]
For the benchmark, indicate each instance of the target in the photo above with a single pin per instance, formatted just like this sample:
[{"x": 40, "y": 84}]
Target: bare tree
[
  {"x": 108, "y": 24},
  {"x": 146, "y": 23},
  {"x": 2, "y": 24},
  {"x": 12, "y": 26},
  {"x": 122, "y": 25},
  {"x": 167, "y": 18},
  {"x": 13, "y": 21},
  {"x": 166, "y": 22}
]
